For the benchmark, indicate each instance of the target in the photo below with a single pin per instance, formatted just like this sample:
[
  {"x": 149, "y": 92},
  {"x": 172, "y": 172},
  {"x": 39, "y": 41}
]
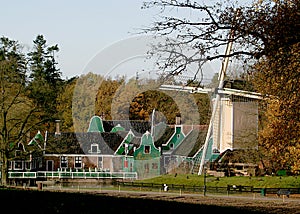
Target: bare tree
[{"x": 197, "y": 33}]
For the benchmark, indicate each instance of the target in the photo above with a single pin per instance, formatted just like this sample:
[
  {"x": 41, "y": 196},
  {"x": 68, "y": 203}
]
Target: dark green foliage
[
  {"x": 17, "y": 112},
  {"x": 45, "y": 78}
]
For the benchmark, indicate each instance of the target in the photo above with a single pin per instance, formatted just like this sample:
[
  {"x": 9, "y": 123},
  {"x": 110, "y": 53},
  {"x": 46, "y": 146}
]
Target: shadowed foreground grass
[{"x": 32, "y": 201}]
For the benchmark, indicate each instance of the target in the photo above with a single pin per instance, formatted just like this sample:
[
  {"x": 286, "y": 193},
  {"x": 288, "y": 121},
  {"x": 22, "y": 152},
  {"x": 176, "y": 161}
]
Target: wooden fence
[
  {"x": 71, "y": 175},
  {"x": 230, "y": 189}
]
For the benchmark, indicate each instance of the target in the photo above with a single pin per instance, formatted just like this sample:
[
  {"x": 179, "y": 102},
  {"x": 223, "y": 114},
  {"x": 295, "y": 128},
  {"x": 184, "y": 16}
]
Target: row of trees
[{"x": 117, "y": 99}]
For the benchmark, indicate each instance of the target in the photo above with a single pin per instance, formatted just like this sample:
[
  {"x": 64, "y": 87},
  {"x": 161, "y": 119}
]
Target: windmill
[{"x": 221, "y": 114}]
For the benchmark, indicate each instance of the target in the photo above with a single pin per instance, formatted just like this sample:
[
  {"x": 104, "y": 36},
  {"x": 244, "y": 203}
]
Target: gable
[
  {"x": 126, "y": 144},
  {"x": 96, "y": 124},
  {"x": 147, "y": 149}
]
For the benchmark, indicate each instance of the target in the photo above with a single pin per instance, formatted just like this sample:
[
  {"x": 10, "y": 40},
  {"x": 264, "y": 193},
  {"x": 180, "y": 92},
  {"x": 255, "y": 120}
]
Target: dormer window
[{"x": 94, "y": 148}]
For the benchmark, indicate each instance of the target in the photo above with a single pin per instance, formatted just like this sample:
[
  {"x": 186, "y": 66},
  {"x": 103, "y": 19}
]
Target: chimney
[
  {"x": 178, "y": 119},
  {"x": 57, "y": 131},
  {"x": 102, "y": 116}
]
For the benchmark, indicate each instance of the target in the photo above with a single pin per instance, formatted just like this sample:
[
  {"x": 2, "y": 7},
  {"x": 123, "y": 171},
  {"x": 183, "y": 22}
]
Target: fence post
[{"x": 228, "y": 189}]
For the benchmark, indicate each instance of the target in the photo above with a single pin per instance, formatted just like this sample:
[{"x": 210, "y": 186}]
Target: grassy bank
[{"x": 256, "y": 182}]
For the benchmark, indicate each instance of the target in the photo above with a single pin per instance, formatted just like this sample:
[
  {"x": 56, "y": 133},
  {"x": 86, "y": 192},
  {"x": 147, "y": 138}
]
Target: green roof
[
  {"x": 117, "y": 128},
  {"x": 96, "y": 125}
]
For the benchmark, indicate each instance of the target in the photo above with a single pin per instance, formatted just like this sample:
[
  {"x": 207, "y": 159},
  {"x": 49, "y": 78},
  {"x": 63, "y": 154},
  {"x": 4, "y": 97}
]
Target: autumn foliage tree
[
  {"x": 64, "y": 105},
  {"x": 278, "y": 78}
]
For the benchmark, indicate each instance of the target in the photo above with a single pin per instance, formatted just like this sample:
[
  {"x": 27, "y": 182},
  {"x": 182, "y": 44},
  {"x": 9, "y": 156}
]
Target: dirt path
[{"x": 257, "y": 204}]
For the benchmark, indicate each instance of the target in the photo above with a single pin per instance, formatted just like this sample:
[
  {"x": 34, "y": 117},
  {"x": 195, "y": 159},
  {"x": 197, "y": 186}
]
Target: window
[
  {"x": 40, "y": 162},
  {"x": 18, "y": 165},
  {"x": 78, "y": 162},
  {"x": 63, "y": 162},
  {"x": 17, "y": 153},
  {"x": 146, "y": 168},
  {"x": 49, "y": 165},
  {"x": 33, "y": 164},
  {"x": 131, "y": 167},
  {"x": 171, "y": 146},
  {"x": 27, "y": 165},
  {"x": 154, "y": 166},
  {"x": 125, "y": 163},
  {"x": 94, "y": 148},
  {"x": 100, "y": 162},
  {"x": 147, "y": 149},
  {"x": 10, "y": 165}
]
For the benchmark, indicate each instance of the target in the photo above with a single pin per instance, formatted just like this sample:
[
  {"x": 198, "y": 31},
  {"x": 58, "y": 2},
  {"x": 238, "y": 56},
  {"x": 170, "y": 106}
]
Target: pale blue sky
[{"x": 80, "y": 28}]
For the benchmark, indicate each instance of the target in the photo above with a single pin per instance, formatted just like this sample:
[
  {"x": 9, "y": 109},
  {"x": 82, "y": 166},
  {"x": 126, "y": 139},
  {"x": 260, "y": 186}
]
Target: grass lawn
[{"x": 256, "y": 182}]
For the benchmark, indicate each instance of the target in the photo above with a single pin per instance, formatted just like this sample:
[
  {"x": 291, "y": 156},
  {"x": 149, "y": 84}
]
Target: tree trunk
[{"x": 4, "y": 170}]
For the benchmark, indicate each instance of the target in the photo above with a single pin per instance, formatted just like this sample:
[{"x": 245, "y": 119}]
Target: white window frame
[
  {"x": 10, "y": 164},
  {"x": 78, "y": 160},
  {"x": 149, "y": 151},
  {"x": 17, "y": 168},
  {"x": 63, "y": 160},
  {"x": 27, "y": 165},
  {"x": 94, "y": 146}
]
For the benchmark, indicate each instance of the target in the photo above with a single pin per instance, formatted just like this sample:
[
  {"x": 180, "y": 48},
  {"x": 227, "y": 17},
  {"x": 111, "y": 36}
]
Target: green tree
[
  {"x": 18, "y": 113},
  {"x": 45, "y": 79}
]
